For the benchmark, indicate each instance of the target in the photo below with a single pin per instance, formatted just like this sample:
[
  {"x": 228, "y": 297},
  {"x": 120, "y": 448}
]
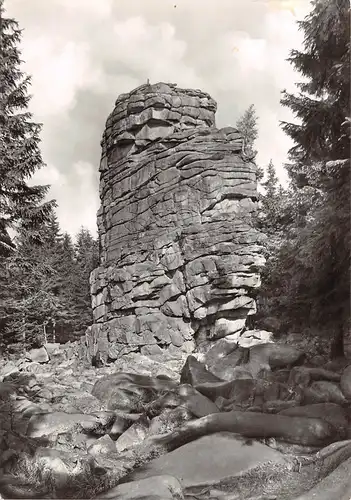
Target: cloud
[{"x": 82, "y": 54}]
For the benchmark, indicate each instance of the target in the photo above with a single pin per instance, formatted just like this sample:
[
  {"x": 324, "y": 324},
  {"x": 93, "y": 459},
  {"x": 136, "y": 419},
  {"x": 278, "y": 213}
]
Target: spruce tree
[
  {"x": 30, "y": 299},
  {"x": 324, "y": 98},
  {"x": 271, "y": 182},
  {"x": 86, "y": 258},
  {"x": 20, "y": 156},
  {"x": 247, "y": 125},
  {"x": 313, "y": 265},
  {"x": 270, "y": 202}
]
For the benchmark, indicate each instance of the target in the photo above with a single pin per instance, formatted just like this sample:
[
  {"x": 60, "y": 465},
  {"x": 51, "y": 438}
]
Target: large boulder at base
[
  {"x": 153, "y": 366},
  {"x": 332, "y": 413},
  {"x": 323, "y": 391},
  {"x": 335, "y": 486},
  {"x": 273, "y": 356},
  {"x": 304, "y": 375},
  {"x": 245, "y": 391},
  {"x": 128, "y": 392},
  {"x": 134, "y": 435},
  {"x": 212, "y": 460},
  {"x": 169, "y": 420},
  {"x": 101, "y": 446},
  {"x": 186, "y": 396},
  {"x": 215, "y": 390},
  {"x": 121, "y": 423},
  {"x": 345, "y": 382},
  {"x": 7, "y": 369},
  {"x": 76, "y": 402},
  {"x": 299, "y": 430},
  {"x": 38, "y": 355},
  {"x": 195, "y": 402},
  {"x": 228, "y": 365},
  {"x": 195, "y": 373},
  {"x": 53, "y": 348},
  {"x": 158, "y": 487},
  {"x": 251, "y": 338},
  {"x": 45, "y": 424}
]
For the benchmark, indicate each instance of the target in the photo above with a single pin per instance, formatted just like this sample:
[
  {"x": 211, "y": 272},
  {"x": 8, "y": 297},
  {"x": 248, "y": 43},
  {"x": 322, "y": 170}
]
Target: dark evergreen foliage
[
  {"x": 309, "y": 278},
  {"x": 247, "y": 125},
  {"x": 20, "y": 154}
]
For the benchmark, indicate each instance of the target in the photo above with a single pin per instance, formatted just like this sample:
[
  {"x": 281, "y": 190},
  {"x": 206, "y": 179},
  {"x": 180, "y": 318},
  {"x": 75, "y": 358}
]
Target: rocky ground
[{"x": 252, "y": 421}]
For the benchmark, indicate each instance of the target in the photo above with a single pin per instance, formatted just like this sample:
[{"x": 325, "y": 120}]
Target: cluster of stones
[
  {"x": 236, "y": 423},
  {"x": 179, "y": 257}
]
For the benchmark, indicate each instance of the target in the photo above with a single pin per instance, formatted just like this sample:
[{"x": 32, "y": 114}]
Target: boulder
[
  {"x": 158, "y": 487},
  {"x": 38, "y": 355},
  {"x": 345, "y": 382},
  {"x": 332, "y": 413},
  {"x": 273, "y": 356},
  {"x": 121, "y": 424},
  {"x": 44, "y": 424},
  {"x": 335, "y": 486},
  {"x": 300, "y": 430},
  {"x": 53, "y": 467},
  {"x": 323, "y": 392},
  {"x": 230, "y": 366},
  {"x": 129, "y": 392},
  {"x": 251, "y": 338},
  {"x": 215, "y": 390},
  {"x": 224, "y": 327},
  {"x": 101, "y": 446},
  {"x": 277, "y": 406},
  {"x": 212, "y": 460},
  {"x": 134, "y": 435},
  {"x": 76, "y": 402},
  {"x": 151, "y": 365},
  {"x": 195, "y": 373},
  {"x": 303, "y": 375},
  {"x": 198, "y": 404},
  {"x": 53, "y": 348},
  {"x": 9, "y": 368},
  {"x": 169, "y": 420}
]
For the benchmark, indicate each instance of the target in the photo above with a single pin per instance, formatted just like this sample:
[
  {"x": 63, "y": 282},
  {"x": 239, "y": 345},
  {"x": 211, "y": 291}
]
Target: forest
[{"x": 44, "y": 273}]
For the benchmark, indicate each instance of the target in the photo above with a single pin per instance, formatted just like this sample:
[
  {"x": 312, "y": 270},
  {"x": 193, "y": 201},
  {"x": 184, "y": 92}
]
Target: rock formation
[{"x": 179, "y": 257}]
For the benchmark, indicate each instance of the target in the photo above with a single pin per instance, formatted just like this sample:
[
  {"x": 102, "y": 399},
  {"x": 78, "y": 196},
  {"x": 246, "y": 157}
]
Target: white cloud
[
  {"x": 82, "y": 54},
  {"x": 59, "y": 70}
]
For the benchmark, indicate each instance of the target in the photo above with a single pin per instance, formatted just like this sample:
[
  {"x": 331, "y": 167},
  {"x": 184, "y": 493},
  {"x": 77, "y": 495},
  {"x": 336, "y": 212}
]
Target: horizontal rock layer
[{"x": 179, "y": 258}]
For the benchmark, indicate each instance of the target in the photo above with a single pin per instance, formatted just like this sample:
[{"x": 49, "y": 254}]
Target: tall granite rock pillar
[{"x": 179, "y": 258}]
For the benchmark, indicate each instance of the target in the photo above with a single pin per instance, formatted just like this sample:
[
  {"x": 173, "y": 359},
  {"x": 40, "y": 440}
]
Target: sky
[{"x": 82, "y": 54}]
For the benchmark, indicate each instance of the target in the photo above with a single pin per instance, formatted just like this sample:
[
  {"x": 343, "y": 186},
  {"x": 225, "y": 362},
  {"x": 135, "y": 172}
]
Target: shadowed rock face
[{"x": 179, "y": 258}]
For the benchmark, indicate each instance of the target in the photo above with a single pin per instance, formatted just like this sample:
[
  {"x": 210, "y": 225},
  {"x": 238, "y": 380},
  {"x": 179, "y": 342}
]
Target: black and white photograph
[{"x": 175, "y": 276}]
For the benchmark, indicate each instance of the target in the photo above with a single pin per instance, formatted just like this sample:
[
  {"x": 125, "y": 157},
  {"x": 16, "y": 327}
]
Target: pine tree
[
  {"x": 20, "y": 155},
  {"x": 247, "y": 125}
]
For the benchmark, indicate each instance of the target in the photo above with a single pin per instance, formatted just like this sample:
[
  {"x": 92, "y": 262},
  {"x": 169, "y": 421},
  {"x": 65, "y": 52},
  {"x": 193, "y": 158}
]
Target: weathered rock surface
[
  {"x": 153, "y": 488},
  {"x": 38, "y": 355},
  {"x": 180, "y": 260},
  {"x": 211, "y": 460},
  {"x": 345, "y": 382},
  {"x": 335, "y": 486},
  {"x": 58, "y": 440}
]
